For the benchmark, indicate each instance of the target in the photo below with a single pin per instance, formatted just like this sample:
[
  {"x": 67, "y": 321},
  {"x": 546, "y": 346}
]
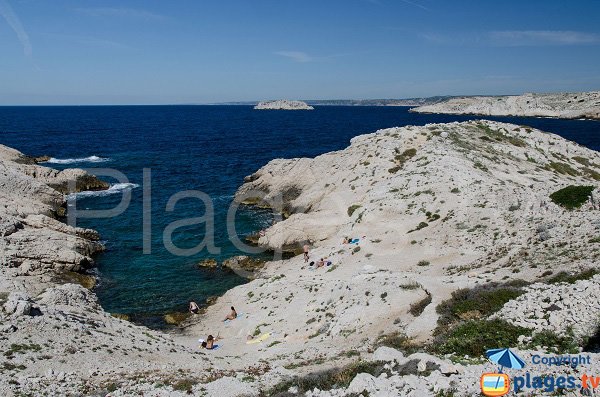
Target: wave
[
  {"x": 90, "y": 159},
  {"x": 113, "y": 189}
]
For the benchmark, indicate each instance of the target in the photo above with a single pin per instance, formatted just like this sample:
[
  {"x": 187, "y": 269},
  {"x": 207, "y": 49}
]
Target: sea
[{"x": 208, "y": 149}]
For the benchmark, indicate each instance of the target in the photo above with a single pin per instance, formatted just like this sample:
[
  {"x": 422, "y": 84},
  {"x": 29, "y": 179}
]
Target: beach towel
[
  {"x": 261, "y": 338},
  {"x": 240, "y": 315},
  {"x": 215, "y": 347},
  {"x": 355, "y": 241}
]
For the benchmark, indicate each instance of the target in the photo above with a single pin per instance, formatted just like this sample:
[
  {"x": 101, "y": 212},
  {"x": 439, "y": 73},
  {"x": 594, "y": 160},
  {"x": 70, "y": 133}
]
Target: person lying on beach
[
  {"x": 194, "y": 308},
  {"x": 209, "y": 343},
  {"x": 232, "y": 315},
  {"x": 346, "y": 240},
  {"x": 320, "y": 263}
]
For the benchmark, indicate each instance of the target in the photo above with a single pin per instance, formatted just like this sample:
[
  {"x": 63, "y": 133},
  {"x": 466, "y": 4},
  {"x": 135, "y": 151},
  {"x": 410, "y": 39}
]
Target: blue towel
[
  {"x": 354, "y": 241},
  {"x": 240, "y": 315},
  {"x": 215, "y": 347}
]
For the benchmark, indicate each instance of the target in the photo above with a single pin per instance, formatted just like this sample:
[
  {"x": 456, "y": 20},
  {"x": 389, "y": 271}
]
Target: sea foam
[
  {"x": 90, "y": 159},
  {"x": 113, "y": 189}
]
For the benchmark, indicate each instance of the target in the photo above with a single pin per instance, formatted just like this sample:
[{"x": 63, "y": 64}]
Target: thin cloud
[
  {"x": 296, "y": 56},
  {"x": 542, "y": 37},
  {"x": 13, "y": 21},
  {"x": 513, "y": 38},
  {"x": 88, "y": 41},
  {"x": 117, "y": 12},
  {"x": 414, "y": 3}
]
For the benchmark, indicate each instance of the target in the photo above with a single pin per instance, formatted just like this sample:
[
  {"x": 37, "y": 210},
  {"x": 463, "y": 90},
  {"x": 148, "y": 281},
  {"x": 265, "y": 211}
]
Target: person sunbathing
[
  {"x": 209, "y": 343},
  {"x": 232, "y": 315}
]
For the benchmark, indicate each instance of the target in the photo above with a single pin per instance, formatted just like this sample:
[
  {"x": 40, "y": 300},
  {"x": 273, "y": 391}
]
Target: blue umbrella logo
[{"x": 505, "y": 358}]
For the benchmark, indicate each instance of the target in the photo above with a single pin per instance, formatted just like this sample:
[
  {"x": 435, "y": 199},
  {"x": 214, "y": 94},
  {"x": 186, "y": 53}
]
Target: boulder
[
  {"x": 176, "y": 318},
  {"x": 18, "y": 304},
  {"x": 208, "y": 263},
  {"x": 388, "y": 354},
  {"x": 361, "y": 383}
]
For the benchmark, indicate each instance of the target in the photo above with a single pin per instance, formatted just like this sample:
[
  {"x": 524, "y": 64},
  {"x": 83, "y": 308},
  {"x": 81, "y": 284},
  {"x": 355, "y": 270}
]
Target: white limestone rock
[
  {"x": 283, "y": 104},
  {"x": 563, "y": 105}
]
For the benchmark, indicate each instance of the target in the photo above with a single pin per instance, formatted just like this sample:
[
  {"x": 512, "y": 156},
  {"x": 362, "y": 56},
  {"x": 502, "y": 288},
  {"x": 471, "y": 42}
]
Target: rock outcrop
[
  {"x": 579, "y": 105},
  {"x": 283, "y": 104},
  {"x": 32, "y": 196}
]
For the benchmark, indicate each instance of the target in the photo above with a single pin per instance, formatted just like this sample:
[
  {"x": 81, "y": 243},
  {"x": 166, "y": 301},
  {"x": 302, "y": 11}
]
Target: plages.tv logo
[{"x": 497, "y": 383}]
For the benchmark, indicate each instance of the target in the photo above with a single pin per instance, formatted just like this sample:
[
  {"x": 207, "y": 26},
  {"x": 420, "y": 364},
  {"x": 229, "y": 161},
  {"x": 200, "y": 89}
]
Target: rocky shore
[
  {"x": 456, "y": 229},
  {"x": 283, "y": 104},
  {"x": 579, "y": 105}
]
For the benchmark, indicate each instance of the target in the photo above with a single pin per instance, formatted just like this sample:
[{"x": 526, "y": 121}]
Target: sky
[{"x": 59, "y": 52}]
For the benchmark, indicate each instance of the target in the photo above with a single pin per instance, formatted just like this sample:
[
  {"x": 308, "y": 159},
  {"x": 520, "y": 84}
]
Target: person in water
[
  {"x": 232, "y": 315},
  {"x": 306, "y": 253},
  {"x": 194, "y": 308}
]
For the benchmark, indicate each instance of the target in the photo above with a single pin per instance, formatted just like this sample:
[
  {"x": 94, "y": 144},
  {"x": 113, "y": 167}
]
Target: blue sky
[{"x": 151, "y": 52}]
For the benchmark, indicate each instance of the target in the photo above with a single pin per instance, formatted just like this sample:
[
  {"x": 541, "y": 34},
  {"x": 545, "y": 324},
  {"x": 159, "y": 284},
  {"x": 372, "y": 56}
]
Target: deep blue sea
[{"x": 206, "y": 148}]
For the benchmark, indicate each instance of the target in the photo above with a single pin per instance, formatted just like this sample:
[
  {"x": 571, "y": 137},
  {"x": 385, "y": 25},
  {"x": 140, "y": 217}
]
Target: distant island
[
  {"x": 579, "y": 105},
  {"x": 355, "y": 102},
  {"x": 283, "y": 104}
]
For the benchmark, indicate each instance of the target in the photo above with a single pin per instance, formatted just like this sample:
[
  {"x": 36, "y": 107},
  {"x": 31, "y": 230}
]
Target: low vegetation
[
  {"x": 572, "y": 197},
  {"x": 326, "y": 380},
  {"x": 467, "y": 304},
  {"x": 559, "y": 344},
  {"x": 562, "y": 168},
  {"x": 474, "y": 337},
  {"x": 416, "y": 309},
  {"x": 353, "y": 208},
  {"x": 565, "y": 277},
  {"x": 401, "y": 158}
]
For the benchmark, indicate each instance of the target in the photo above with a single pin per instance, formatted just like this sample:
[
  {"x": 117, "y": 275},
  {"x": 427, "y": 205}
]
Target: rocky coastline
[
  {"x": 579, "y": 105},
  {"x": 454, "y": 229}
]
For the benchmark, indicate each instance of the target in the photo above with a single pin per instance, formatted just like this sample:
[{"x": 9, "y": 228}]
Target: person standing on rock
[
  {"x": 306, "y": 253},
  {"x": 194, "y": 308}
]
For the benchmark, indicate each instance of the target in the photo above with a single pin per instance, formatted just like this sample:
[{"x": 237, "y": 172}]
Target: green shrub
[
  {"x": 353, "y": 208},
  {"x": 327, "y": 380},
  {"x": 466, "y": 304},
  {"x": 184, "y": 385},
  {"x": 402, "y": 158},
  {"x": 572, "y": 197},
  {"x": 423, "y": 263},
  {"x": 416, "y": 309},
  {"x": 474, "y": 337},
  {"x": 554, "y": 342},
  {"x": 564, "y": 277},
  {"x": 420, "y": 226},
  {"x": 563, "y": 168}
]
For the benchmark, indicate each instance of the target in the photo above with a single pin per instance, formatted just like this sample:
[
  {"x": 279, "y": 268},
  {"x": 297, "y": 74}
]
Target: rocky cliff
[{"x": 580, "y": 105}]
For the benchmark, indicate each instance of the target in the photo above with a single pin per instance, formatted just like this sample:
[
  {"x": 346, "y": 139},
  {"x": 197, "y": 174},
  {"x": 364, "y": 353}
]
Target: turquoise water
[{"x": 206, "y": 148}]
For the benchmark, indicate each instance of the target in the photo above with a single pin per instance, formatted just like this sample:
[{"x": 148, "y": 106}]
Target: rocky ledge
[
  {"x": 579, "y": 105},
  {"x": 283, "y": 104}
]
